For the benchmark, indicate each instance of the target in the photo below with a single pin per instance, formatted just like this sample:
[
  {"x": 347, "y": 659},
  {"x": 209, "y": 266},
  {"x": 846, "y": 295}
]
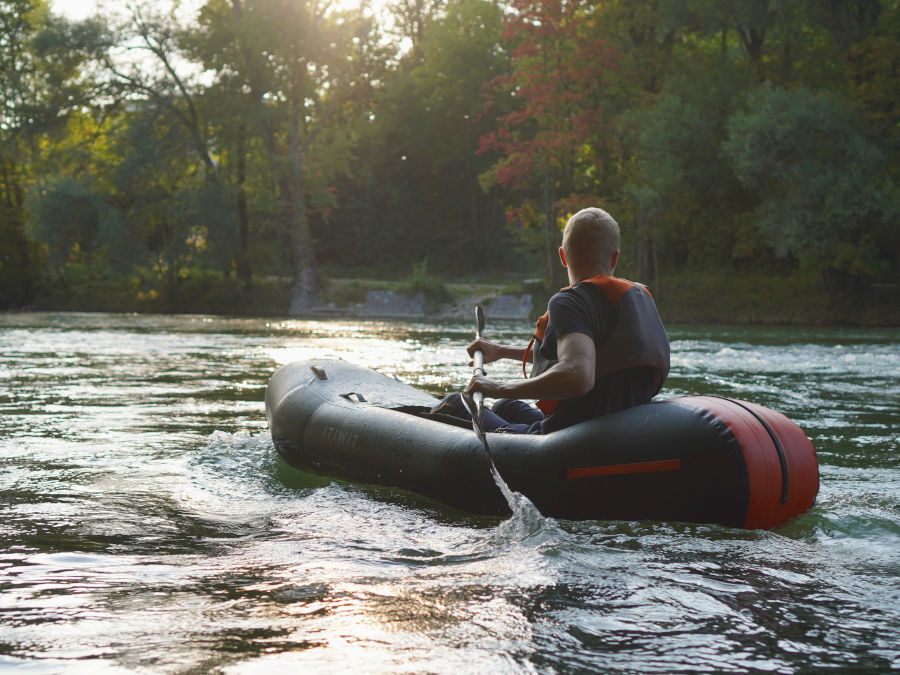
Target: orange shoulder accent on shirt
[{"x": 613, "y": 287}]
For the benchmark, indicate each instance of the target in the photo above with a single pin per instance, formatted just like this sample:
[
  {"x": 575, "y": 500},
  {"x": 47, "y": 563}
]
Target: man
[{"x": 600, "y": 348}]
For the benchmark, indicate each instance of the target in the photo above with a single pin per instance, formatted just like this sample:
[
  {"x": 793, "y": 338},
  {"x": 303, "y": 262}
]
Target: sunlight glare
[{"x": 78, "y": 10}]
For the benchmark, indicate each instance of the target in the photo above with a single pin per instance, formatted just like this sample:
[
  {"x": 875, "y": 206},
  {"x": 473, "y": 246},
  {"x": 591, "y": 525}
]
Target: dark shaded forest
[{"x": 150, "y": 153}]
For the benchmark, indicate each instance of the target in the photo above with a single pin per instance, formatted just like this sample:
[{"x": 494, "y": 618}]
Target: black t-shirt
[{"x": 584, "y": 308}]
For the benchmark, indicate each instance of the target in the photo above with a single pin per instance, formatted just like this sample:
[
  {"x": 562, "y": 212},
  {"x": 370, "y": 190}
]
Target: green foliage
[
  {"x": 552, "y": 140},
  {"x": 83, "y": 287},
  {"x": 267, "y": 137},
  {"x": 790, "y": 297},
  {"x": 156, "y": 186},
  {"x": 874, "y": 73},
  {"x": 682, "y": 181},
  {"x": 43, "y": 80},
  {"x": 211, "y": 211},
  {"x": 345, "y": 293},
  {"x": 19, "y": 271},
  {"x": 823, "y": 192},
  {"x": 412, "y": 192},
  {"x": 420, "y": 280},
  {"x": 76, "y": 224},
  {"x": 204, "y": 291}
]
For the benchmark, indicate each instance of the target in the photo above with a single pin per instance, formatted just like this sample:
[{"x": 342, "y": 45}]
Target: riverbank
[{"x": 686, "y": 297}]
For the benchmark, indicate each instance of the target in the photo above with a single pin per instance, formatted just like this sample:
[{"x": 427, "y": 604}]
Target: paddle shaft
[
  {"x": 478, "y": 417},
  {"x": 478, "y": 358}
]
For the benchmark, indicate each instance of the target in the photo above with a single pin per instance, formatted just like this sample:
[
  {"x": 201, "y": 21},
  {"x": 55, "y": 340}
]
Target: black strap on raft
[
  {"x": 780, "y": 450},
  {"x": 355, "y": 397}
]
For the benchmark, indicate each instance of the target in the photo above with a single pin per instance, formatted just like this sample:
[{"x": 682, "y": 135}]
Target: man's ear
[
  {"x": 562, "y": 257},
  {"x": 613, "y": 261}
]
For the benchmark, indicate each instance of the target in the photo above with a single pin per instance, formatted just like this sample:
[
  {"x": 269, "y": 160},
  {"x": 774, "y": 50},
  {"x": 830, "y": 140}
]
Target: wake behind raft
[{"x": 698, "y": 459}]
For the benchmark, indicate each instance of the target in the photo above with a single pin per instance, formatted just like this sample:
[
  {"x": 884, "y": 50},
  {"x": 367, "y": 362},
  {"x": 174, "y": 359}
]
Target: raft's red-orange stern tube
[{"x": 782, "y": 471}]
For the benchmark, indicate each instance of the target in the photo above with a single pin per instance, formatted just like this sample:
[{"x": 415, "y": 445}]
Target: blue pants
[{"x": 507, "y": 415}]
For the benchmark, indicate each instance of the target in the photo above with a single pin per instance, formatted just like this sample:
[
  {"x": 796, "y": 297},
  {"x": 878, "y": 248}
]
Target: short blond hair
[{"x": 591, "y": 238}]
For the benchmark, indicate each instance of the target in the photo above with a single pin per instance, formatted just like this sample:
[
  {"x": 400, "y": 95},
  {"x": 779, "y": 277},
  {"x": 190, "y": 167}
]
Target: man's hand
[
  {"x": 490, "y": 350},
  {"x": 488, "y": 387},
  {"x": 572, "y": 376}
]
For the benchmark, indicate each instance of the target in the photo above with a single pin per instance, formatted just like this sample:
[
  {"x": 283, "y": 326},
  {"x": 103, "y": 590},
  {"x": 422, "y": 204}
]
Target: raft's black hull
[{"x": 694, "y": 459}]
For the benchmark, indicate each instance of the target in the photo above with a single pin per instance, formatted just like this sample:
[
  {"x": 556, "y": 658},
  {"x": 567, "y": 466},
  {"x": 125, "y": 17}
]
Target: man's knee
[
  {"x": 451, "y": 404},
  {"x": 516, "y": 411},
  {"x": 504, "y": 405}
]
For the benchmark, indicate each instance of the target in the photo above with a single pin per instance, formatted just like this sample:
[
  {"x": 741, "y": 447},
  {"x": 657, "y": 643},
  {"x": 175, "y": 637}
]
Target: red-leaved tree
[{"x": 552, "y": 134}]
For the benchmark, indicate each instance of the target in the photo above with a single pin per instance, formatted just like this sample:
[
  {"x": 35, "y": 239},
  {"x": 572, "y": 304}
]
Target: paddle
[
  {"x": 478, "y": 362},
  {"x": 475, "y": 403}
]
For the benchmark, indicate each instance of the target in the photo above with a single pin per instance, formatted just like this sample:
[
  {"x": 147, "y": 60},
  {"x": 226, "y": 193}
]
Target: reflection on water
[{"x": 148, "y": 524}]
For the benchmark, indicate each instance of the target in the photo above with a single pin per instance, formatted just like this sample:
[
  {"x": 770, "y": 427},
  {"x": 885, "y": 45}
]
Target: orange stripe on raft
[{"x": 613, "y": 469}]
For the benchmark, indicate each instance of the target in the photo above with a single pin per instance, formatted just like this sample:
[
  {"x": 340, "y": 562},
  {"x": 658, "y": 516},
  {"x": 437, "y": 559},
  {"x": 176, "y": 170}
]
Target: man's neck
[{"x": 580, "y": 275}]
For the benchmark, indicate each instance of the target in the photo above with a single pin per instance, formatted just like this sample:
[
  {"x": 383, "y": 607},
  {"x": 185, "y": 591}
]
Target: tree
[
  {"x": 164, "y": 200},
  {"x": 158, "y": 79},
  {"x": 74, "y": 221},
  {"x": 42, "y": 81},
  {"x": 413, "y": 193},
  {"x": 297, "y": 65},
  {"x": 645, "y": 35},
  {"x": 681, "y": 186},
  {"x": 460, "y": 54},
  {"x": 411, "y": 18},
  {"x": 554, "y": 140},
  {"x": 874, "y": 73},
  {"x": 822, "y": 189}
]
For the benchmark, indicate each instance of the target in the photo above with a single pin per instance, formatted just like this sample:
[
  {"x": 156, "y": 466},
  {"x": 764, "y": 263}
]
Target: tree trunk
[
  {"x": 305, "y": 290},
  {"x": 647, "y": 261},
  {"x": 472, "y": 183},
  {"x": 305, "y": 287},
  {"x": 549, "y": 248}
]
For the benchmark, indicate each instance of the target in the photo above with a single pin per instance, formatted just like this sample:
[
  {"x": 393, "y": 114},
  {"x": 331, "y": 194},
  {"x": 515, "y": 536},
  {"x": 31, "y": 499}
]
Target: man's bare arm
[
  {"x": 573, "y": 375},
  {"x": 494, "y": 352}
]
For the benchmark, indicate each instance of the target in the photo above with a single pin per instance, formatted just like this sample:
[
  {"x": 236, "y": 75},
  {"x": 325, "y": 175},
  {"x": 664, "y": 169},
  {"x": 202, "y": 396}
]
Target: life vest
[{"x": 636, "y": 339}]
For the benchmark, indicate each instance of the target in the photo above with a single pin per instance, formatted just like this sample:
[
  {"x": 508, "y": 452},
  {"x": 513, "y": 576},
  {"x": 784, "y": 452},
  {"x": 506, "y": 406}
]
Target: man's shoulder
[
  {"x": 564, "y": 300},
  {"x": 579, "y": 309},
  {"x": 580, "y": 297}
]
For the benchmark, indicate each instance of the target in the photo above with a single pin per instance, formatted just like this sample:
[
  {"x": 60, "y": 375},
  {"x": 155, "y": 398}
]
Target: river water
[{"x": 149, "y": 526}]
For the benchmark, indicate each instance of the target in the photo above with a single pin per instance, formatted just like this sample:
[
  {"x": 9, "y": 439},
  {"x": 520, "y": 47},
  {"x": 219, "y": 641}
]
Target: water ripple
[{"x": 149, "y": 524}]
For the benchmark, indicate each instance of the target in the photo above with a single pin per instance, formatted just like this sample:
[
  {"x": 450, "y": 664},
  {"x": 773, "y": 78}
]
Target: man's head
[{"x": 591, "y": 241}]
